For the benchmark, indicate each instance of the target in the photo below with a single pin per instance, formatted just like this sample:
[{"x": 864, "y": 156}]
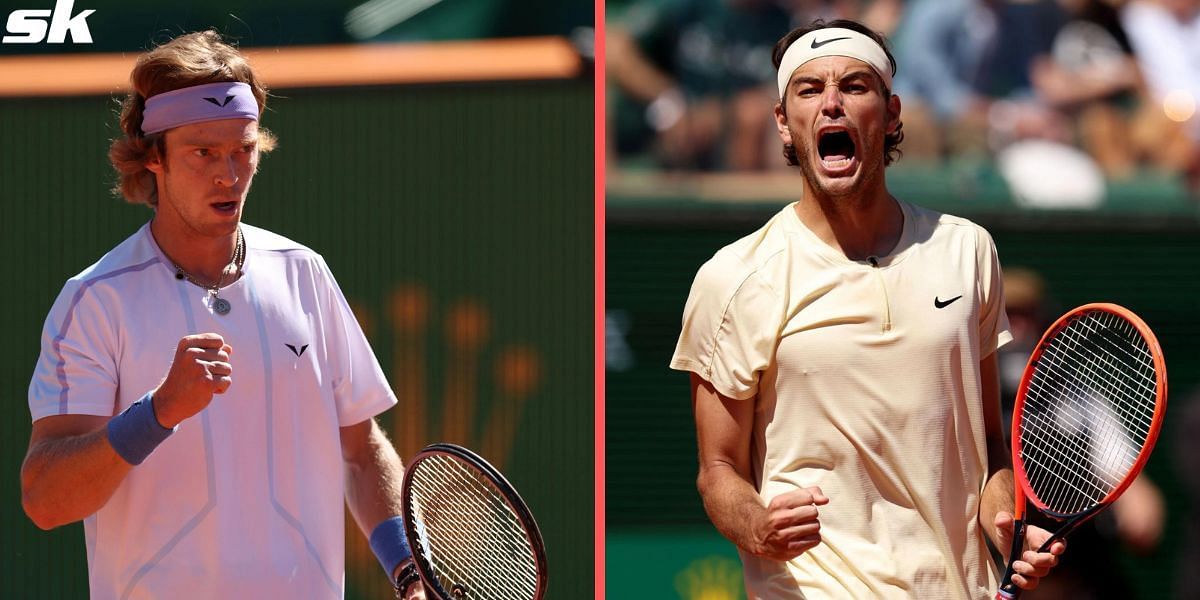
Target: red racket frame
[{"x": 1022, "y": 489}]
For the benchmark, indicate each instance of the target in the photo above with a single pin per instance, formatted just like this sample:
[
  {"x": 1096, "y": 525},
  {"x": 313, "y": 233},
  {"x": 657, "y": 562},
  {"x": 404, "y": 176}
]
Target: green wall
[{"x": 458, "y": 221}]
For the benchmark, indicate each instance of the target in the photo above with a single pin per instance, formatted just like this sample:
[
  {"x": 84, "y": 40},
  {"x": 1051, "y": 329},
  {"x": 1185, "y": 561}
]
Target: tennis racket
[
  {"x": 471, "y": 535},
  {"x": 1087, "y": 414}
]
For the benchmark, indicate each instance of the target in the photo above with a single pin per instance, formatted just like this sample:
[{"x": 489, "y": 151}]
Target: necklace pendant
[{"x": 221, "y": 306}]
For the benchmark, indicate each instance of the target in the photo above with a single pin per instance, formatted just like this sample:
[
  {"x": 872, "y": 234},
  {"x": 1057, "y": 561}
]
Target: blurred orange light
[{"x": 1179, "y": 106}]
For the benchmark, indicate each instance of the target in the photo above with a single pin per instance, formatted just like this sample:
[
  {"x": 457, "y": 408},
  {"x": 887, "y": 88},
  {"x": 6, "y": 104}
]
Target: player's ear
[
  {"x": 785, "y": 134},
  {"x": 156, "y": 157},
  {"x": 893, "y": 113}
]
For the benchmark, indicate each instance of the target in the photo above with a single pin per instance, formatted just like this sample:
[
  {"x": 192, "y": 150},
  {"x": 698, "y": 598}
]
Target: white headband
[{"x": 834, "y": 41}]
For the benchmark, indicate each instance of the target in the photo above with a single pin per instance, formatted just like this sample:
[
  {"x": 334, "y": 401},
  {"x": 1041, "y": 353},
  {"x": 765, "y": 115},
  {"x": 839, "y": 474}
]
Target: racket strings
[
  {"x": 468, "y": 560},
  {"x": 1106, "y": 434},
  {"x": 1134, "y": 385},
  {"x": 1090, "y": 371},
  {"x": 1080, "y": 419},
  {"x": 470, "y": 535},
  {"x": 467, "y": 546},
  {"x": 1104, "y": 430},
  {"x": 1088, "y": 411}
]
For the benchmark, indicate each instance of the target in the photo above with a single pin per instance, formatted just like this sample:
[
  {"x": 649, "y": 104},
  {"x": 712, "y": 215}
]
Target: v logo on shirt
[{"x": 299, "y": 352}]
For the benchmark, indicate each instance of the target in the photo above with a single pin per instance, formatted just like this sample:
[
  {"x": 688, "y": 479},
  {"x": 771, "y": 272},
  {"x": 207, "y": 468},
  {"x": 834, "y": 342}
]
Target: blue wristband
[
  {"x": 390, "y": 544},
  {"x": 136, "y": 432}
]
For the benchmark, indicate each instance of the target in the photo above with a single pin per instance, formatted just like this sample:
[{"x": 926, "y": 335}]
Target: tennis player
[
  {"x": 204, "y": 398},
  {"x": 843, "y": 363}
]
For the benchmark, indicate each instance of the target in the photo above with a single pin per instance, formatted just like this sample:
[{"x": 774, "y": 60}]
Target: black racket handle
[
  {"x": 1060, "y": 534},
  {"x": 1009, "y": 590}
]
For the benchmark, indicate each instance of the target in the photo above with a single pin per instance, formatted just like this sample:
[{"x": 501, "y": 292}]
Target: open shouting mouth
[{"x": 837, "y": 149}]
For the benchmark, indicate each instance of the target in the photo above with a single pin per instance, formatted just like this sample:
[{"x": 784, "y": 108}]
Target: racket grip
[{"x": 1009, "y": 590}]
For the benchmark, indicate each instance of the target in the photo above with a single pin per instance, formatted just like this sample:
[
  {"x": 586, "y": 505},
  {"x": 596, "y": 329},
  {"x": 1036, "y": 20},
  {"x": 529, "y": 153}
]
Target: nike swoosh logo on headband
[{"x": 816, "y": 44}]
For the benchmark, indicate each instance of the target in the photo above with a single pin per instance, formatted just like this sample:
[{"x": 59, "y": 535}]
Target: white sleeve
[
  {"x": 730, "y": 327},
  {"x": 76, "y": 372},
  {"x": 993, "y": 320},
  {"x": 360, "y": 388}
]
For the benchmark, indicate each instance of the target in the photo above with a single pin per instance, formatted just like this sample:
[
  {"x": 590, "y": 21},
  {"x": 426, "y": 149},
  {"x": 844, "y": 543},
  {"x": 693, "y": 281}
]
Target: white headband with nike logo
[{"x": 834, "y": 42}]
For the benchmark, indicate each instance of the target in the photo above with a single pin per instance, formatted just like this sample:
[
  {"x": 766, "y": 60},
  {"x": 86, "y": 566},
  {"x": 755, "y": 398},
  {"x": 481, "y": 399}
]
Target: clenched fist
[
  {"x": 201, "y": 368},
  {"x": 790, "y": 526}
]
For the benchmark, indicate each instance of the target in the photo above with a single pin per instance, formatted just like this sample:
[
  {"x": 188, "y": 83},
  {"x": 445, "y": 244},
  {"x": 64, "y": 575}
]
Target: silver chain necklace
[{"x": 219, "y": 305}]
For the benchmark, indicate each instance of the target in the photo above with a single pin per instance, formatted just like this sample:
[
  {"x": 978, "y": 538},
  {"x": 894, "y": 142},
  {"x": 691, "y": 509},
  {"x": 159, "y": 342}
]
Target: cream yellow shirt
[{"x": 866, "y": 383}]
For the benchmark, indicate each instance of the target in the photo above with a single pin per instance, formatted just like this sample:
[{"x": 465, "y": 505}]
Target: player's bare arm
[
  {"x": 374, "y": 477},
  {"x": 997, "y": 498},
  {"x": 781, "y": 529},
  {"x": 374, "y": 474},
  {"x": 71, "y": 469}
]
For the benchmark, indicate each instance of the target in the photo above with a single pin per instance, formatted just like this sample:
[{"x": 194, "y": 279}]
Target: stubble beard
[
  {"x": 852, "y": 196},
  {"x": 835, "y": 198},
  {"x": 195, "y": 225}
]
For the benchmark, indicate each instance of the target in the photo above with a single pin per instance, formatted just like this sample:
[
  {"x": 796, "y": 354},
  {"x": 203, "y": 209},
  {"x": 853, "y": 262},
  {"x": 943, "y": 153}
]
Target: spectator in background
[
  {"x": 882, "y": 15},
  {"x": 1091, "y": 77},
  {"x": 1094, "y": 77},
  {"x": 696, "y": 76},
  {"x": 1165, "y": 35},
  {"x": 1135, "y": 522},
  {"x": 1033, "y": 82},
  {"x": 965, "y": 65},
  {"x": 878, "y": 15}
]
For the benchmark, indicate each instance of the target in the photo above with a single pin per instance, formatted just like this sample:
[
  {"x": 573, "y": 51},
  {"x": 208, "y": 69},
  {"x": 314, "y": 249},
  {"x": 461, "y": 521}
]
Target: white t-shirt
[
  {"x": 245, "y": 500},
  {"x": 866, "y": 383}
]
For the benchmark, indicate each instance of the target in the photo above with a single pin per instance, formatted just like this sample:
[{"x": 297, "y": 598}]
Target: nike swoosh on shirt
[
  {"x": 816, "y": 44},
  {"x": 944, "y": 303}
]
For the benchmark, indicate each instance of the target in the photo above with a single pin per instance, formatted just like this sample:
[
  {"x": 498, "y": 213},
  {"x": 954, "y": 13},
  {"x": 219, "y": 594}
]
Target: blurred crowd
[{"x": 1111, "y": 84}]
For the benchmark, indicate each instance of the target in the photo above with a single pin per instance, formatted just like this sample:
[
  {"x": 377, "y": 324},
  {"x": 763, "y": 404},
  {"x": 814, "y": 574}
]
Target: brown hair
[
  {"x": 891, "y": 141},
  {"x": 188, "y": 60}
]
